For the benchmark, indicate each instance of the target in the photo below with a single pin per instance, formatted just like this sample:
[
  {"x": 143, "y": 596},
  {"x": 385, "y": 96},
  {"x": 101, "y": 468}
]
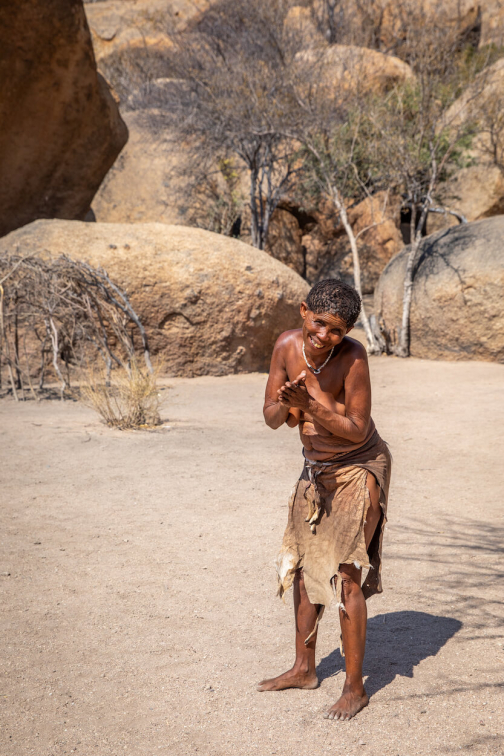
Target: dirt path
[{"x": 138, "y": 606}]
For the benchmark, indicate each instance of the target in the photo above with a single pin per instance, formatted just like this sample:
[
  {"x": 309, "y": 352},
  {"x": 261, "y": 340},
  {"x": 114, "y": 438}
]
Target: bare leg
[
  {"x": 353, "y": 628},
  {"x": 353, "y": 622},
  {"x": 302, "y": 674}
]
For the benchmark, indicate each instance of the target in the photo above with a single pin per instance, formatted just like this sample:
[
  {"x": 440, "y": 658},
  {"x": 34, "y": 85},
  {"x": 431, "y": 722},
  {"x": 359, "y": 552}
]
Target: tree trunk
[
  {"x": 372, "y": 344},
  {"x": 403, "y": 347},
  {"x": 254, "y": 220}
]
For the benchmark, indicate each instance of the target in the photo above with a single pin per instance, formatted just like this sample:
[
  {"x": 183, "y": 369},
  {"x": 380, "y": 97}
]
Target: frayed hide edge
[
  {"x": 286, "y": 565},
  {"x": 315, "y": 627}
]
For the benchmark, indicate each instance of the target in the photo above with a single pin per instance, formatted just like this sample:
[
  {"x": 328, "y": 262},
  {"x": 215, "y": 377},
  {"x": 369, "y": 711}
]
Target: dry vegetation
[
  {"x": 60, "y": 316},
  {"x": 127, "y": 399}
]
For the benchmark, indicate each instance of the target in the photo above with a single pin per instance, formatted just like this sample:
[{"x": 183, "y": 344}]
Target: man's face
[{"x": 321, "y": 331}]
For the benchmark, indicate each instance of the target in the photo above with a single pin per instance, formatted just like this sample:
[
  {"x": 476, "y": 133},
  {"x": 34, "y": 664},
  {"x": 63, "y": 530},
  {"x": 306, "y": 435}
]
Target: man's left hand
[{"x": 295, "y": 394}]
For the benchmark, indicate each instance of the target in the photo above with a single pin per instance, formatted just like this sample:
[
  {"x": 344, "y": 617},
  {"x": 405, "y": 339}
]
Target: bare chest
[{"x": 328, "y": 387}]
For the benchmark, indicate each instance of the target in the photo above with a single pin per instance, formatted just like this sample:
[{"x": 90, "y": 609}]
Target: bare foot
[
  {"x": 290, "y": 679},
  {"x": 348, "y": 705}
]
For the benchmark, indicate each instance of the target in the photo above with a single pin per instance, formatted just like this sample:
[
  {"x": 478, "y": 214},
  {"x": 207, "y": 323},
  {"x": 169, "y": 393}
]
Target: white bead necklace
[{"x": 313, "y": 369}]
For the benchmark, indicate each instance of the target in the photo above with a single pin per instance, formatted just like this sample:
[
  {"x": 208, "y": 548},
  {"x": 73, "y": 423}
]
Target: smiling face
[{"x": 321, "y": 331}]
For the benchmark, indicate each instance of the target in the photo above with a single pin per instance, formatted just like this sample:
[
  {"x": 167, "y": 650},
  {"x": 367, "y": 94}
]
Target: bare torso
[{"x": 328, "y": 388}]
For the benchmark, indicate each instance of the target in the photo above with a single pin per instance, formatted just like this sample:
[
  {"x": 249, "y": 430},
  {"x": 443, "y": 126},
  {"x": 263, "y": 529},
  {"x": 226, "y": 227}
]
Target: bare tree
[
  {"x": 328, "y": 125},
  {"x": 232, "y": 100},
  {"x": 332, "y": 177}
]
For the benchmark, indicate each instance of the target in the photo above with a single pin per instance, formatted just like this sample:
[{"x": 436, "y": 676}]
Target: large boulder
[
  {"x": 476, "y": 192},
  {"x": 349, "y": 67},
  {"x": 147, "y": 182},
  {"x": 457, "y": 309},
  {"x": 60, "y": 128},
  {"x": 211, "y": 305}
]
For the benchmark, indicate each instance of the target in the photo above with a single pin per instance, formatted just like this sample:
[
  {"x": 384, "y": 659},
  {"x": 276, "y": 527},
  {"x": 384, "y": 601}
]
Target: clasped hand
[{"x": 294, "y": 393}]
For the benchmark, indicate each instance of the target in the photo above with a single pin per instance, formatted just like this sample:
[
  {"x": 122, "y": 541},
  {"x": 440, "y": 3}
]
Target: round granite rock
[{"x": 457, "y": 309}]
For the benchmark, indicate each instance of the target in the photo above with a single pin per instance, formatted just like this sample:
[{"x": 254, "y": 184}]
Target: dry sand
[{"x": 138, "y": 606}]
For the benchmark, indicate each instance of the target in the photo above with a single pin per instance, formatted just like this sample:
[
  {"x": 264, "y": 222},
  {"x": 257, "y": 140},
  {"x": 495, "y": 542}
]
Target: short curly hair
[{"x": 337, "y": 298}]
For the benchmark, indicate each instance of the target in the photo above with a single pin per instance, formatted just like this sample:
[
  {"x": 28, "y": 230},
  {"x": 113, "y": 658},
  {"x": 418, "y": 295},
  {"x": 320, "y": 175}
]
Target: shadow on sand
[{"x": 396, "y": 643}]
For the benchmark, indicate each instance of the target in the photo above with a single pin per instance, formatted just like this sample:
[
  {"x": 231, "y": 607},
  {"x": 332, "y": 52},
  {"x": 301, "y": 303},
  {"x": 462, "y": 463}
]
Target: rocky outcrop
[
  {"x": 120, "y": 26},
  {"x": 211, "y": 305},
  {"x": 132, "y": 42},
  {"x": 457, "y": 310},
  {"x": 60, "y": 128},
  {"x": 147, "y": 182}
]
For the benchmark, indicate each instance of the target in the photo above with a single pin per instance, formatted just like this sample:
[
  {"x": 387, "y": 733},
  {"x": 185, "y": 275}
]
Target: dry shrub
[{"x": 129, "y": 399}]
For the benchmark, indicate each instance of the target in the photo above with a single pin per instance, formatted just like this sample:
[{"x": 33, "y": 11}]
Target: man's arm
[
  {"x": 353, "y": 425},
  {"x": 276, "y": 413}
]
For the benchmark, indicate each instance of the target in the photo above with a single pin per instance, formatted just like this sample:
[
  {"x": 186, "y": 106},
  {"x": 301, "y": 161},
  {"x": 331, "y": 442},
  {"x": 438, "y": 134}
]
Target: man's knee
[{"x": 350, "y": 580}]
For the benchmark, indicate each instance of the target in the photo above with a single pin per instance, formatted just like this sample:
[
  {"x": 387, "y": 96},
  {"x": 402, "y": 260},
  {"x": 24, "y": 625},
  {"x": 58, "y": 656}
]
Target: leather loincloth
[{"x": 325, "y": 528}]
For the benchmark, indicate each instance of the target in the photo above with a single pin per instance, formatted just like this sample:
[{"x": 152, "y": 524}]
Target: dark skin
[{"x": 338, "y": 402}]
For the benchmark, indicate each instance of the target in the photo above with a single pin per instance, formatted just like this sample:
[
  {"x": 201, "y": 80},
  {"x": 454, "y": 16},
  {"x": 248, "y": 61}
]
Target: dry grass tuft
[{"x": 128, "y": 400}]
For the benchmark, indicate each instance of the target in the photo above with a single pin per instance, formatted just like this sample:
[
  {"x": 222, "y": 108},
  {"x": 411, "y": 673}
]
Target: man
[{"x": 319, "y": 381}]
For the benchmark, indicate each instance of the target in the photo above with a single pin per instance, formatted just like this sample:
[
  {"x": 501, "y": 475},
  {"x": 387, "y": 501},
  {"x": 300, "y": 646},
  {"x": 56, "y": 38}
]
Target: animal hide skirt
[{"x": 325, "y": 528}]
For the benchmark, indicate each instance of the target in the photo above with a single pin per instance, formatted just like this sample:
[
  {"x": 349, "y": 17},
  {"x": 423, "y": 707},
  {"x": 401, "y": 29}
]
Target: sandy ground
[{"x": 138, "y": 592}]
